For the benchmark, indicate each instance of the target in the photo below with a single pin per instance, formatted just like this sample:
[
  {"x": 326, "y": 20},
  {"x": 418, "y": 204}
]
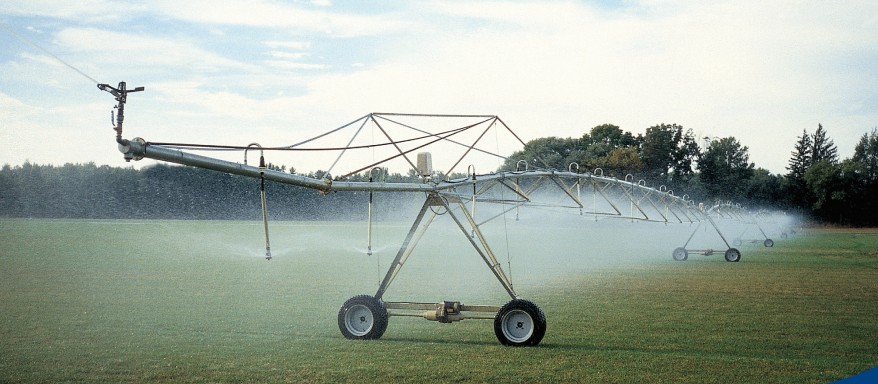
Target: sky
[{"x": 277, "y": 72}]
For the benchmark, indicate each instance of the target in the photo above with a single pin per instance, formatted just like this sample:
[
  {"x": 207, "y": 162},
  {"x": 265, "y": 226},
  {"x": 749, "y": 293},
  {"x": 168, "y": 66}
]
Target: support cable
[{"x": 220, "y": 147}]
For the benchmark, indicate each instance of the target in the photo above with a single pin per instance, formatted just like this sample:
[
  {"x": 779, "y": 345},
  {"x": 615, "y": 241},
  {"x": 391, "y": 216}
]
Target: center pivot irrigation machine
[{"x": 518, "y": 322}]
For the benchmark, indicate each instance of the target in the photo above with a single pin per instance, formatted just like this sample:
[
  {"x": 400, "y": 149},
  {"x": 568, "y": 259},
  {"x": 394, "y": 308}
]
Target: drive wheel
[
  {"x": 680, "y": 254},
  {"x": 768, "y": 243},
  {"x": 520, "y": 323},
  {"x": 733, "y": 255},
  {"x": 362, "y": 317}
]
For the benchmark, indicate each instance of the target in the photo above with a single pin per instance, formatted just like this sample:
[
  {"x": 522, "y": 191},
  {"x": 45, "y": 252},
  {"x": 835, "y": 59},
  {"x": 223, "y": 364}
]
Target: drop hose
[{"x": 264, "y": 205}]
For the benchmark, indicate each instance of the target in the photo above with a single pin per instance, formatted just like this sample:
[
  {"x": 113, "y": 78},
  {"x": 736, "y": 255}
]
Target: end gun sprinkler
[{"x": 121, "y": 93}]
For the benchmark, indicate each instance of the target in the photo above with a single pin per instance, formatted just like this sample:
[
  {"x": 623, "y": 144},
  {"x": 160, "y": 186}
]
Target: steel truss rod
[
  {"x": 492, "y": 119},
  {"x": 408, "y": 245},
  {"x": 419, "y": 227},
  {"x": 712, "y": 223},
  {"x": 484, "y": 251}
]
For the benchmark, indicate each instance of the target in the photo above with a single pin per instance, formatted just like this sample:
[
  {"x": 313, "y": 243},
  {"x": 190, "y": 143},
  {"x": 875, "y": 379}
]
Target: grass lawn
[{"x": 194, "y": 301}]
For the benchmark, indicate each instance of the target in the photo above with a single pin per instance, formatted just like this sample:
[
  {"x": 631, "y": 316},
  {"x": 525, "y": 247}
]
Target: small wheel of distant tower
[
  {"x": 768, "y": 243},
  {"x": 733, "y": 255},
  {"x": 680, "y": 254}
]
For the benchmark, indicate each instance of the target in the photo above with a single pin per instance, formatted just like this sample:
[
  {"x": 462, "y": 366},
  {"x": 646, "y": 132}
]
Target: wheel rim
[
  {"x": 358, "y": 320},
  {"x": 679, "y": 254},
  {"x": 733, "y": 255},
  {"x": 517, "y": 326}
]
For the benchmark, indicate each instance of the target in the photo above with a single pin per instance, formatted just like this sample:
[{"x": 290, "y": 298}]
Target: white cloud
[
  {"x": 144, "y": 58},
  {"x": 14, "y": 109},
  {"x": 288, "y": 55},
  {"x": 94, "y": 11},
  {"x": 297, "y": 45},
  {"x": 561, "y": 68},
  {"x": 759, "y": 71},
  {"x": 272, "y": 14},
  {"x": 291, "y": 65}
]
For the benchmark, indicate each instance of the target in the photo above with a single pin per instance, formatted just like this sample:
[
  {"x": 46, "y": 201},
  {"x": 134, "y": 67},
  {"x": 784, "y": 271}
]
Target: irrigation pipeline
[{"x": 609, "y": 197}]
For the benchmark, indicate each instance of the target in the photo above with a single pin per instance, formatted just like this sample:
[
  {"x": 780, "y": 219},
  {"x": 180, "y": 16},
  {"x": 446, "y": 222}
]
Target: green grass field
[{"x": 180, "y": 301}]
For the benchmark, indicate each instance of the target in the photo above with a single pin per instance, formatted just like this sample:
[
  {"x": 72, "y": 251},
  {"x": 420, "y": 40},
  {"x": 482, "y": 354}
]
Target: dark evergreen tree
[
  {"x": 822, "y": 179},
  {"x": 865, "y": 160},
  {"x": 866, "y": 152},
  {"x": 822, "y": 147},
  {"x": 801, "y": 157},
  {"x": 799, "y": 163}
]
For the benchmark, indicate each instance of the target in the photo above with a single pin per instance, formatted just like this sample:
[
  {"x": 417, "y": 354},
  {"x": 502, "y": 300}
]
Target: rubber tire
[
  {"x": 680, "y": 254},
  {"x": 362, "y": 317},
  {"x": 768, "y": 243},
  {"x": 529, "y": 324},
  {"x": 733, "y": 255}
]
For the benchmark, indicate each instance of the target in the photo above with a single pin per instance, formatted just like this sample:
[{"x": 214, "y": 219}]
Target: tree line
[
  {"x": 817, "y": 184},
  {"x": 163, "y": 192}
]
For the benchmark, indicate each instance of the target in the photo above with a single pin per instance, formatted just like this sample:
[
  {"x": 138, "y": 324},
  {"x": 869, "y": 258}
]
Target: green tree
[
  {"x": 657, "y": 151},
  {"x": 595, "y": 147},
  {"x": 865, "y": 183},
  {"x": 620, "y": 162},
  {"x": 668, "y": 154},
  {"x": 764, "y": 189},
  {"x": 799, "y": 162},
  {"x": 545, "y": 152},
  {"x": 686, "y": 153},
  {"x": 725, "y": 169},
  {"x": 611, "y": 135},
  {"x": 800, "y": 158},
  {"x": 822, "y": 147},
  {"x": 866, "y": 152},
  {"x": 823, "y": 179}
]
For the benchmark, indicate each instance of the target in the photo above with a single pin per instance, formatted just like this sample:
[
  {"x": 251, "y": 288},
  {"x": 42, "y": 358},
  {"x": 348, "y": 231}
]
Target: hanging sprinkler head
[
  {"x": 262, "y": 195},
  {"x": 264, "y": 206},
  {"x": 374, "y": 171}
]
